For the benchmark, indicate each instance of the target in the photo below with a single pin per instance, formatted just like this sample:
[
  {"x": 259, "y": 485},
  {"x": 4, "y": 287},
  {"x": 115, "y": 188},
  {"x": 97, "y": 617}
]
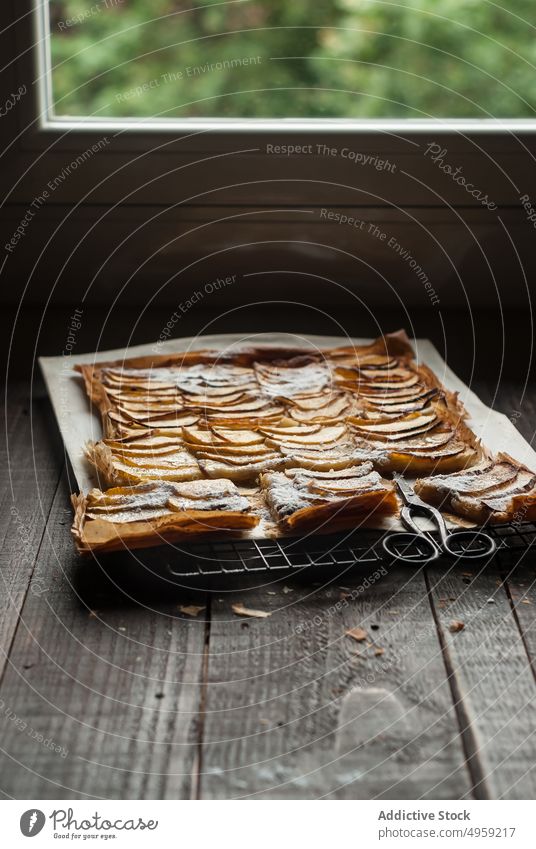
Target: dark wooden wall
[{"x": 144, "y": 223}]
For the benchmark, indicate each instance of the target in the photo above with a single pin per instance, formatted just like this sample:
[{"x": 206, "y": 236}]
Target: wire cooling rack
[{"x": 334, "y": 552}]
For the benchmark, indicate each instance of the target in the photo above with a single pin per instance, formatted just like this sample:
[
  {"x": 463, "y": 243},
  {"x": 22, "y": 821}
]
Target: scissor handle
[
  {"x": 420, "y": 508},
  {"x": 409, "y": 547},
  {"x": 469, "y": 544}
]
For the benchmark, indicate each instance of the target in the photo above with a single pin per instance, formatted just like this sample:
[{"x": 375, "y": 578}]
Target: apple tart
[
  {"x": 212, "y": 441},
  {"x": 498, "y": 489}
]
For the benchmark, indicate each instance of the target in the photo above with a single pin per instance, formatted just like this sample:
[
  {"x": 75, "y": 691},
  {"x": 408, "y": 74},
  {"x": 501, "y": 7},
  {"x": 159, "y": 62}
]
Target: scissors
[{"x": 417, "y": 546}]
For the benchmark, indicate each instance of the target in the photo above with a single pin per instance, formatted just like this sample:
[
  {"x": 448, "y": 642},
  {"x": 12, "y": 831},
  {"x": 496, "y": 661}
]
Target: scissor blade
[{"x": 406, "y": 489}]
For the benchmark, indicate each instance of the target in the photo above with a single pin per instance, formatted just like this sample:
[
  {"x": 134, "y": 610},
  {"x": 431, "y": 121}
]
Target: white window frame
[{"x": 50, "y": 123}]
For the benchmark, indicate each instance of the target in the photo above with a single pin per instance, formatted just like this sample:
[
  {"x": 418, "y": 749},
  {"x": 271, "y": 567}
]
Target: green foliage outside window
[{"x": 294, "y": 58}]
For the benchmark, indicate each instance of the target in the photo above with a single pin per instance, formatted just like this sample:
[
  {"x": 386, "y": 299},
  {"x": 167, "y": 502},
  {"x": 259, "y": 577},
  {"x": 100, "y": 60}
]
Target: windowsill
[{"x": 405, "y": 126}]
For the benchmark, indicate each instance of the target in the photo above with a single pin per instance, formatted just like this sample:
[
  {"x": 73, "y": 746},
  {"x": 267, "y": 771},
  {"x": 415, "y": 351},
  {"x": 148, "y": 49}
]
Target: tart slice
[
  {"x": 239, "y": 455},
  {"x": 433, "y": 441},
  {"x": 153, "y": 513},
  {"x": 123, "y": 462},
  {"x": 498, "y": 489},
  {"x": 302, "y": 500}
]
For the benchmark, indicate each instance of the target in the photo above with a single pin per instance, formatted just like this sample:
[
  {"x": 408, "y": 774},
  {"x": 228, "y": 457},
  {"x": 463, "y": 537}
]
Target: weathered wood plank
[
  {"x": 30, "y": 467},
  {"x": 520, "y": 585},
  {"x": 492, "y": 673},
  {"x": 105, "y": 672},
  {"x": 517, "y": 401},
  {"x": 295, "y": 708}
]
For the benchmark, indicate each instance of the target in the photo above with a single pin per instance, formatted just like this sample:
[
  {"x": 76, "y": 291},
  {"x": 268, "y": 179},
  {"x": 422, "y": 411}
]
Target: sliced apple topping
[
  {"x": 398, "y": 427},
  {"x": 307, "y": 438},
  {"x": 287, "y": 382},
  {"x": 302, "y": 501},
  {"x": 497, "y": 489},
  {"x": 118, "y": 463},
  {"x": 157, "y": 512}
]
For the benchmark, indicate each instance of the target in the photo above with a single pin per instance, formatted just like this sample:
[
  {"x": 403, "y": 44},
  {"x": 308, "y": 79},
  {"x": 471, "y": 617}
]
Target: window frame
[{"x": 49, "y": 123}]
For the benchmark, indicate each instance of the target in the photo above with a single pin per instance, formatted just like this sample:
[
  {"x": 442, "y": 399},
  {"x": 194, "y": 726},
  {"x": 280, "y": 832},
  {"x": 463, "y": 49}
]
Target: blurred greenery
[{"x": 278, "y": 58}]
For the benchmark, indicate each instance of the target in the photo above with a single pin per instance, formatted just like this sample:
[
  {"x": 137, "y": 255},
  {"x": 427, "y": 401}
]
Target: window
[
  {"x": 143, "y": 120},
  {"x": 274, "y": 59}
]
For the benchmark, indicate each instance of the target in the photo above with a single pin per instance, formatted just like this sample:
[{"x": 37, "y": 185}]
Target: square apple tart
[{"x": 264, "y": 441}]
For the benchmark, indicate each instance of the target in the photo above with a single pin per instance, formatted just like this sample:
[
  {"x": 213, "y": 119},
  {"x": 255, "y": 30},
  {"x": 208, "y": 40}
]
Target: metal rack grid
[{"x": 292, "y": 555}]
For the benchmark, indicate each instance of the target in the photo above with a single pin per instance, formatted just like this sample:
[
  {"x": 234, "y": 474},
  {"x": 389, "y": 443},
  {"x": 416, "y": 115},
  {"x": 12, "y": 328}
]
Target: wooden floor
[{"x": 109, "y": 690}]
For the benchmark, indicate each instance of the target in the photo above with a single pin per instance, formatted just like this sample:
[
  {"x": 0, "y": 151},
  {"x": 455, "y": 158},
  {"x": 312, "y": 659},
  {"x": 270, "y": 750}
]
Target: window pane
[{"x": 293, "y": 58}]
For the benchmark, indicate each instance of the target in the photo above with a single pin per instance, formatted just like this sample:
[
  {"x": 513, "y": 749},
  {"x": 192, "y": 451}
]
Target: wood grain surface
[{"x": 116, "y": 683}]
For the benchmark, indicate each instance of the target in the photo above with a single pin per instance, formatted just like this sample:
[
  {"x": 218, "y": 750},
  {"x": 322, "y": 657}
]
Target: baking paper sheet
[{"x": 78, "y": 424}]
